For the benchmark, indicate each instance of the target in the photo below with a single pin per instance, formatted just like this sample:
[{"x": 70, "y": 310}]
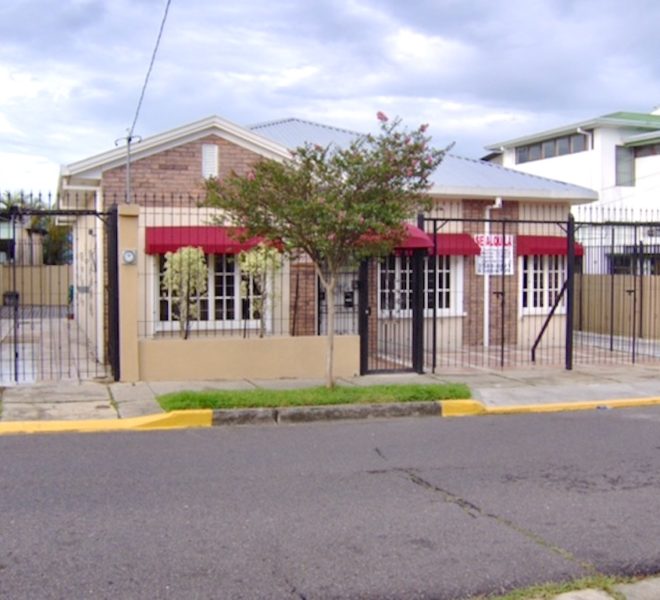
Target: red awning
[
  {"x": 527, "y": 245},
  {"x": 455, "y": 244},
  {"x": 415, "y": 239},
  {"x": 211, "y": 239}
]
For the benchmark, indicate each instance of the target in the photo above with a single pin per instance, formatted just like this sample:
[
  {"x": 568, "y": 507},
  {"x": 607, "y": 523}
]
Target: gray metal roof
[
  {"x": 456, "y": 176},
  {"x": 470, "y": 178},
  {"x": 294, "y": 133}
]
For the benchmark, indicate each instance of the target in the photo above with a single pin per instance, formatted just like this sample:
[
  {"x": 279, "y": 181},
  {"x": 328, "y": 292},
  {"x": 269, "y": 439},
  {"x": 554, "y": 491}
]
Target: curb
[
  {"x": 293, "y": 414},
  {"x": 188, "y": 419},
  {"x": 184, "y": 419}
]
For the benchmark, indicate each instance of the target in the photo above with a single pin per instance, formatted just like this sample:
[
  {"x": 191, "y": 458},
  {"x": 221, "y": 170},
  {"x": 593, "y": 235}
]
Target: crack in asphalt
[{"x": 474, "y": 511}]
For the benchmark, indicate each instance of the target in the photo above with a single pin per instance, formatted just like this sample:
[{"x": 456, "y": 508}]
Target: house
[
  {"x": 618, "y": 156},
  {"x": 494, "y": 249}
]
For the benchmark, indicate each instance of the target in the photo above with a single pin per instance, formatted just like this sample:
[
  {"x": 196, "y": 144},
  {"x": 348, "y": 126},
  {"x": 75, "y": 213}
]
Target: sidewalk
[{"x": 494, "y": 388}]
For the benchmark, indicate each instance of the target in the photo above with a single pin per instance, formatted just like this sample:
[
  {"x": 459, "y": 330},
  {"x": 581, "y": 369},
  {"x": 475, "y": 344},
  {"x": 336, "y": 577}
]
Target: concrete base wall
[{"x": 264, "y": 358}]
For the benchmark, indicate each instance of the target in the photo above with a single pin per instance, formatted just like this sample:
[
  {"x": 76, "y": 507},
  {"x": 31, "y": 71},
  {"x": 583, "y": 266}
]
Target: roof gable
[{"x": 93, "y": 167}]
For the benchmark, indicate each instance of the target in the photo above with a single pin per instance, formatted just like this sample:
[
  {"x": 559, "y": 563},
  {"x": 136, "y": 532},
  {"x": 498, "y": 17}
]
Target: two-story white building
[{"x": 617, "y": 155}]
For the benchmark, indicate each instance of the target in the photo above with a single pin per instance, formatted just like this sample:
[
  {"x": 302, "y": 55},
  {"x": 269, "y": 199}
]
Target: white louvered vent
[{"x": 209, "y": 160}]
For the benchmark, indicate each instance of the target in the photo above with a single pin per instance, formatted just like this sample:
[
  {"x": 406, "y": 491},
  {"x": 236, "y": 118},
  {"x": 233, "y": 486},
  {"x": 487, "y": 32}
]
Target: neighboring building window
[
  {"x": 229, "y": 298},
  {"x": 566, "y": 144},
  {"x": 542, "y": 280},
  {"x": 650, "y": 150},
  {"x": 209, "y": 160},
  {"x": 625, "y": 166},
  {"x": 395, "y": 285}
]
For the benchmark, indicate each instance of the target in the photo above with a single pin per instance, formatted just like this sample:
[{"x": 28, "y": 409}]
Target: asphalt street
[{"x": 402, "y": 508}]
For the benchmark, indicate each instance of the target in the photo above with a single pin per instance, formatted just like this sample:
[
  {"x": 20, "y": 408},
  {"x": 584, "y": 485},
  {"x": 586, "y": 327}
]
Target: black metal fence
[
  {"x": 53, "y": 289},
  {"x": 491, "y": 291}
]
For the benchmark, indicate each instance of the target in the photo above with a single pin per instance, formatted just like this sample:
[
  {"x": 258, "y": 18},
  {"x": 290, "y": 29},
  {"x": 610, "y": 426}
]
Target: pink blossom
[
  {"x": 382, "y": 117},
  {"x": 423, "y": 127},
  {"x": 250, "y": 176}
]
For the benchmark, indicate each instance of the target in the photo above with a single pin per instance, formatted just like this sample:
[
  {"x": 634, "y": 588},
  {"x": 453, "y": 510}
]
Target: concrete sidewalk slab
[{"x": 55, "y": 402}]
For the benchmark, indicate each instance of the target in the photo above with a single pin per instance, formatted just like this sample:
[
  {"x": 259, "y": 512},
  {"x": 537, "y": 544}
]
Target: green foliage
[
  {"x": 30, "y": 211},
  {"x": 257, "y": 264},
  {"x": 316, "y": 396},
  {"x": 185, "y": 278},
  {"x": 56, "y": 243},
  {"x": 335, "y": 205}
]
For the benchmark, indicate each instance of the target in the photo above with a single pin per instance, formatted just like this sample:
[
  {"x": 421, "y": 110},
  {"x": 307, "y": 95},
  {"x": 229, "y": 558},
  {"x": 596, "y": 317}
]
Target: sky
[{"x": 478, "y": 72}]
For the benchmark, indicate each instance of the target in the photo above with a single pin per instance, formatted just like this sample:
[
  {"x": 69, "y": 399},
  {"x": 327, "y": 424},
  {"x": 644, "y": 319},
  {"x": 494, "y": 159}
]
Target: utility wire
[
  {"x": 130, "y": 132},
  {"x": 151, "y": 66}
]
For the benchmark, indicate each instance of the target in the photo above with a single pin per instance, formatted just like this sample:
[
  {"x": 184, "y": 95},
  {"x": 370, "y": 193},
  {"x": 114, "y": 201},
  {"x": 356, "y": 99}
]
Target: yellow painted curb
[
  {"x": 178, "y": 419},
  {"x": 466, "y": 408},
  {"x": 461, "y": 408},
  {"x": 572, "y": 406}
]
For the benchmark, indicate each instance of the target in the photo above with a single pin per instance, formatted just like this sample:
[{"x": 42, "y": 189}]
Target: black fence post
[
  {"x": 113, "y": 293},
  {"x": 570, "y": 289},
  {"x": 364, "y": 312},
  {"x": 418, "y": 311}
]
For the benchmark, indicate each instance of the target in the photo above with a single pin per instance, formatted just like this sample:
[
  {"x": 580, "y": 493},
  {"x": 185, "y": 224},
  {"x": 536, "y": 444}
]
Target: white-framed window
[
  {"x": 542, "y": 277},
  {"x": 210, "y": 155},
  {"x": 395, "y": 285},
  {"x": 443, "y": 286},
  {"x": 229, "y": 300}
]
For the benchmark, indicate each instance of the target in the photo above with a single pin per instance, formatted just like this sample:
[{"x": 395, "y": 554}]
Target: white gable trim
[{"x": 93, "y": 167}]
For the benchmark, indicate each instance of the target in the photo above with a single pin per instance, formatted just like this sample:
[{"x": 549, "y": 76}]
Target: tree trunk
[{"x": 330, "y": 348}]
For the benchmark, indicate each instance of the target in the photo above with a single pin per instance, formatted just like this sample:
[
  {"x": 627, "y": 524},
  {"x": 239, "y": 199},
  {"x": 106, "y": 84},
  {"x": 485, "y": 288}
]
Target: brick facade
[{"x": 174, "y": 175}]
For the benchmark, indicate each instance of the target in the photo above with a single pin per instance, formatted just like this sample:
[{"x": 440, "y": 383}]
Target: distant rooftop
[{"x": 633, "y": 120}]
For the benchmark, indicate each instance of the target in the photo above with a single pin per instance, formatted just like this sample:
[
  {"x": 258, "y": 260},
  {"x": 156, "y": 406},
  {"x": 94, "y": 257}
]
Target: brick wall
[
  {"x": 303, "y": 303},
  {"x": 174, "y": 175},
  {"x": 474, "y": 284}
]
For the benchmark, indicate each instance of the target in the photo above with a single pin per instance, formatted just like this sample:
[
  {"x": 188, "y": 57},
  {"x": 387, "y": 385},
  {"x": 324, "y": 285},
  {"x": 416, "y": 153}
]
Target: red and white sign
[{"x": 496, "y": 256}]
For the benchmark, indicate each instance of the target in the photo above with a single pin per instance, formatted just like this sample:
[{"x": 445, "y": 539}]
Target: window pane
[
  {"x": 563, "y": 146},
  {"x": 522, "y": 154},
  {"x": 548, "y": 149},
  {"x": 535, "y": 152},
  {"x": 625, "y": 166},
  {"x": 578, "y": 142}
]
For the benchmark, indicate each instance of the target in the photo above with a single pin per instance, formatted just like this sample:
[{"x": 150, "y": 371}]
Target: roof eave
[
  {"x": 466, "y": 192},
  {"x": 572, "y": 128}
]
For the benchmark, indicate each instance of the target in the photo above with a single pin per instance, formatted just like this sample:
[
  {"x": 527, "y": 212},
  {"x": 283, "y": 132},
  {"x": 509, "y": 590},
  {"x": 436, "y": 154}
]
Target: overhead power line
[
  {"x": 130, "y": 136},
  {"x": 151, "y": 66}
]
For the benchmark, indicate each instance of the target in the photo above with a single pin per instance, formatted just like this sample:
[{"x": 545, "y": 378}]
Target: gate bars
[
  {"x": 53, "y": 319},
  {"x": 536, "y": 292}
]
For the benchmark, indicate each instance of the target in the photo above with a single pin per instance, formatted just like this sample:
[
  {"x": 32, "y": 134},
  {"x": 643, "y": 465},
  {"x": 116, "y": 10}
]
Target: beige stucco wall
[
  {"x": 259, "y": 358},
  {"x": 38, "y": 286},
  {"x": 554, "y": 336}
]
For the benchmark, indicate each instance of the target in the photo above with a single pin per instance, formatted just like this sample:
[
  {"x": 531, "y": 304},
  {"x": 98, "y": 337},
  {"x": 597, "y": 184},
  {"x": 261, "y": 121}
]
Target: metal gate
[
  {"x": 58, "y": 279},
  {"x": 511, "y": 292}
]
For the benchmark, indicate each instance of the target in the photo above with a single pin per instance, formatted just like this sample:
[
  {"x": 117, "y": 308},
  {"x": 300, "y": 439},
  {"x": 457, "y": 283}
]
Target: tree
[
  {"x": 257, "y": 264},
  {"x": 336, "y": 205},
  {"x": 185, "y": 278}
]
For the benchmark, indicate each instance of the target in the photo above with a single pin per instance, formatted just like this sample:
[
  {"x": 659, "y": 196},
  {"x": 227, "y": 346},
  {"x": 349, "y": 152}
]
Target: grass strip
[{"x": 316, "y": 396}]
